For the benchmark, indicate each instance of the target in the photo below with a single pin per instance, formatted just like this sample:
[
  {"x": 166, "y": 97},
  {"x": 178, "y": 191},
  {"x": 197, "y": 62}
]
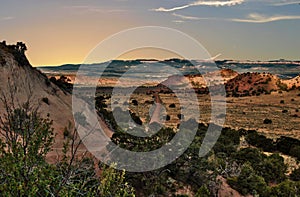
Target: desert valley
[{"x": 257, "y": 151}]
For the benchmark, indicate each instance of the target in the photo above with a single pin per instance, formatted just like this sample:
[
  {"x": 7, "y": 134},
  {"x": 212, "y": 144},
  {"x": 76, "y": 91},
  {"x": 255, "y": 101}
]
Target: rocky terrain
[
  {"x": 20, "y": 82},
  {"x": 261, "y": 127}
]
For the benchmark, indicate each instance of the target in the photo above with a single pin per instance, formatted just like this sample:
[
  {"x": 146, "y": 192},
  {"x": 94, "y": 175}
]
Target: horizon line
[{"x": 153, "y": 59}]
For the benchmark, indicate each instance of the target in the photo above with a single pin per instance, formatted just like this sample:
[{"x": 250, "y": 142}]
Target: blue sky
[{"x": 59, "y": 32}]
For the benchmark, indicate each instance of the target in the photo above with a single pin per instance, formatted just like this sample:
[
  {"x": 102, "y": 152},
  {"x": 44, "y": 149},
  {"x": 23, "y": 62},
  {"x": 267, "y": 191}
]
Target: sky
[{"x": 57, "y": 32}]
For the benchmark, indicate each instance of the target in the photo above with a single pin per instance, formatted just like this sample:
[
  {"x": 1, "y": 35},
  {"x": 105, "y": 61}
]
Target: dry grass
[{"x": 243, "y": 112}]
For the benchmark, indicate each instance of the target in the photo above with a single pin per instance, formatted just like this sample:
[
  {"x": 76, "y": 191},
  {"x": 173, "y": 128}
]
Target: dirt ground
[{"x": 242, "y": 112}]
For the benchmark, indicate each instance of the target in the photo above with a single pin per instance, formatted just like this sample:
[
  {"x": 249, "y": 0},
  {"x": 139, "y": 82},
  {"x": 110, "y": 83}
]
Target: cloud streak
[
  {"x": 258, "y": 18},
  {"x": 186, "y": 17},
  {"x": 178, "y": 21},
  {"x": 284, "y": 3},
  {"x": 6, "y": 18},
  {"x": 201, "y": 3},
  {"x": 252, "y": 18}
]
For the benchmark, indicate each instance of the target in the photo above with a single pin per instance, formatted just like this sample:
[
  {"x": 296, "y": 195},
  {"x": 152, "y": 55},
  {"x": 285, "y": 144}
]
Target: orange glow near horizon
[
  {"x": 63, "y": 32},
  {"x": 66, "y": 41}
]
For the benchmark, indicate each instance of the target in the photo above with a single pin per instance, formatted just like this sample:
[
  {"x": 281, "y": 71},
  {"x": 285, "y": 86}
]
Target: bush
[
  {"x": 289, "y": 146},
  {"x": 203, "y": 192},
  {"x": 295, "y": 151},
  {"x": 113, "y": 183},
  {"x": 180, "y": 116},
  {"x": 66, "y": 132},
  {"x": 260, "y": 141},
  {"x": 168, "y": 118},
  {"x": 295, "y": 175},
  {"x": 172, "y": 105},
  {"x": 286, "y": 188},
  {"x": 28, "y": 138},
  {"x": 134, "y": 102},
  {"x": 272, "y": 169},
  {"x": 136, "y": 118},
  {"x": 282, "y": 86},
  {"x": 251, "y": 155},
  {"x": 268, "y": 121},
  {"x": 248, "y": 182}
]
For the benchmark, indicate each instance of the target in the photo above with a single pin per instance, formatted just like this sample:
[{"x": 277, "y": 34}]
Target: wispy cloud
[
  {"x": 194, "y": 18},
  {"x": 286, "y": 2},
  {"x": 178, "y": 21},
  {"x": 184, "y": 17},
  {"x": 6, "y": 18},
  {"x": 258, "y": 18},
  {"x": 252, "y": 18},
  {"x": 201, "y": 3}
]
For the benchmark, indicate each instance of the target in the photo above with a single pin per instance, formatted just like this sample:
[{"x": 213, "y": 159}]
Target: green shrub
[
  {"x": 284, "y": 189},
  {"x": 268, "y": 121},
  {"x": 66, "y": 132},
  {"x": 272, "y": 169},
  {"x": 28, "y": 139},
  {"x": 248, "y": 182},
  {"x": 203, "y": 192},
  {"x": 295, "y": 151},
  {"x": 295, "y": 175}
]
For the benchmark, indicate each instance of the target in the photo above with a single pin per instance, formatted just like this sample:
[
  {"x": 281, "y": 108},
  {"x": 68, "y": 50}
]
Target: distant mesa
[
  {"x": 201, "y": 81},
  {"x": 255, "y": 84},
  {"x": 236, "y": 85}
]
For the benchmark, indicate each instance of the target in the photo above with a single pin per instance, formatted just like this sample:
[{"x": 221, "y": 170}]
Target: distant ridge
[{"x": 284, "y": 69}]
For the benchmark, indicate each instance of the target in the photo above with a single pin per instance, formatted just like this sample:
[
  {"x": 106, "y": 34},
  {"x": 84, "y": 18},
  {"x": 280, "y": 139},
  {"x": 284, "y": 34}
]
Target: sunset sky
[{"x": 58, "y": 32}]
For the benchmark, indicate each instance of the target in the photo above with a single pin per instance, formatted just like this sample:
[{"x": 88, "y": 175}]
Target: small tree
[
  {"x": 267, "y": 121},
  {"x": 80, "y": 174},
  {"x": 248, "y": 182},
  {"x": 25, "y": 140},
  {"x": 295, "y": 175},
  {"x": 203, "y": 192},
  {"x": 112, "y": 183},
  {"x": 272, "y": 169},
  {"x": 21, "y": 47}
]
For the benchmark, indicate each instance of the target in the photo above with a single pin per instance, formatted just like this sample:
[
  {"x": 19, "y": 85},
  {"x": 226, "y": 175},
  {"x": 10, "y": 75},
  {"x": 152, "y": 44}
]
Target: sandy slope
[
  {"x": 294, "y": 82},
  {"x": 28, "y": 83}
]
